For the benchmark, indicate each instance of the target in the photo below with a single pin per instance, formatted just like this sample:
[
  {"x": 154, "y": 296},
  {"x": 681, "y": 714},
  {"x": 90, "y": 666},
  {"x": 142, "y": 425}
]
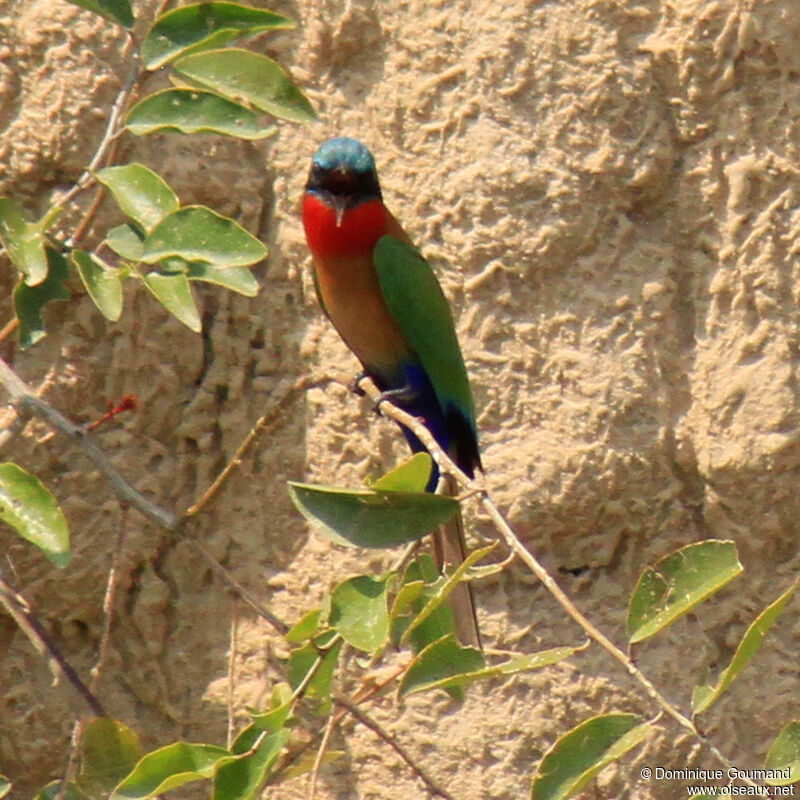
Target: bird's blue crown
[{"x": 344, "y": 152}]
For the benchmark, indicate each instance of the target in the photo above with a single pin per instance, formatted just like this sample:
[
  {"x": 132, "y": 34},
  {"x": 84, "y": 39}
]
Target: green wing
[{"x": 415, "y": 300}]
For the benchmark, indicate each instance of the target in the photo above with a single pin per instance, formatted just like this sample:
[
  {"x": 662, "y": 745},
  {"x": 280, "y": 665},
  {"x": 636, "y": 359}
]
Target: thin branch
[
  {"x": 233, "y": 648},
  {"x": 20, "y": 611},
  {"x": 312, "y": 794},
  {"x": 447, "y": 466},
  {"x": 26, "y": 403},
  {"x": 370, "y": 723},
  {"x": 111, "y": 132},
  {"x": 108, "y": 600},
  {"x": 244, "y": 594},
  {"x": 273, "y": 415}
]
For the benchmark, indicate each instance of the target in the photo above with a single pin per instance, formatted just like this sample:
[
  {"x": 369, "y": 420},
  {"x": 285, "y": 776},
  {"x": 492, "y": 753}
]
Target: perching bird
[{"x": 384, "y": 300}]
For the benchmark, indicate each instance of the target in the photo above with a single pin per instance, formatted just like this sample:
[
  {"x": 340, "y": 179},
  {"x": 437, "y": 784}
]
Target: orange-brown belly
[{"x": 352, "y": 297}]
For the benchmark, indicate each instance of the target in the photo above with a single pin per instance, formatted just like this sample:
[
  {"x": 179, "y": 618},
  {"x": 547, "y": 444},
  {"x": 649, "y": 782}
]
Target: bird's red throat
[{"x": 357, "y": 230}]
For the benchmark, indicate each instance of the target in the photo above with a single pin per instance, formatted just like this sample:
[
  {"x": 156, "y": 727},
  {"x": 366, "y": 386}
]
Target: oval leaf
[
  {"x": 439, "y": 662},
  {"x": 703, "y": 697},
  {"x": 677, "y": 583},
  {"x": 304, "y": 628},
  {"x": 244, "y": 76},
  {"x": 32, "y": 511},
  {"x": 422, "y": 677},
  {"x": 281, "y": 706},
  {"x": 110, "y": 751},
  {"x": 141, "y": 194},
  {"x": 438, "y": 621},
  {"x": 194, "y": 111},
  {"x": 359, "y": 611},
  {"x": 126, "y": 241},
  {"x": 24, "y": 242},
  {"x": 173, "y": 292},
  {"x": 102, "y": 282},
  {"x": 365, "y": 518},
  {"x": 197, "y": 233},
  {"x": 784, "y": 756},
  {"x": 118, "y": 11},
  {"x": 5, "y": 786},
  {"x": 171, "y": 766},
  {"x": 204, "y": 25},
  {"x": 313, "y": 669},
  {"x": 30, "y": 300},
  {"x": 578, "y": 756},
  {"x": 410, "y": 476},
  {"x": 242, "y": 778},
  {"x": 53, "y": 791},
  {"x": 443, "y": 589},
  {"x": 238, "y": 279}
]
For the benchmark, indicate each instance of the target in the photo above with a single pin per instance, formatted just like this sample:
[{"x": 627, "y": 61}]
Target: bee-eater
[{"x": 384, "y": 300}]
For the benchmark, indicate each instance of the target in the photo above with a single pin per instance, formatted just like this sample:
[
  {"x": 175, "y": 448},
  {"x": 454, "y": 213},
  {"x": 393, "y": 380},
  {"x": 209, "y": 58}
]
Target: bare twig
[
  {"x": 370, "y": 723},
  {"x": 312, "y": 793},
  {"x": 446, "y": 465},
  {"x": 233, "y": 649},
  {"x": 26, "y": 402},
  {"x": 273, "y": 415},
  {"x": 20, "y": 611},
  {"x": 237, "y": 587},
  {"x": 110, "y": 134},
  {"x": 108, "y": 600}
]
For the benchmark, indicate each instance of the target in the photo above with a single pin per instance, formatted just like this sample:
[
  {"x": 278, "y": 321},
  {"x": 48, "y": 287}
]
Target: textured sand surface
[{"x": 610, "y": 193}]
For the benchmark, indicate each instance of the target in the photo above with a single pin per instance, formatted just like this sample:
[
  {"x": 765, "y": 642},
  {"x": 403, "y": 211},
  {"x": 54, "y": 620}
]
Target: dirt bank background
[{"x": 609, "y": 191}]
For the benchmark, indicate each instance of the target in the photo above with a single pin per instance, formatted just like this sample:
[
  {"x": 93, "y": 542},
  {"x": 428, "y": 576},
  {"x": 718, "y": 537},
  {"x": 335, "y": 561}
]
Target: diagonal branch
[
  {"x": 27, "y": 403},
  {"x": 26, "y": 620},
  {"x": 446, "y": 465}
]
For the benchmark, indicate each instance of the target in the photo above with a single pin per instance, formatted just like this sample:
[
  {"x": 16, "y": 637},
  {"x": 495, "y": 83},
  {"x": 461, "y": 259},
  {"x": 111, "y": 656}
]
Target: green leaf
[
  {"x": 110, "y": 752},
  {"x": 141, "y": 194},
  {"x": 194, "y": 111},
  {"x": 678, "y": 583},
  {"x": 440, "y": 595},
  {"x": 438, "y": 663},
  {"x": 53, "y": 792},
  {"x": 242, "y": 779},
  {"x": 308, "y": 658},
  {"x": 33, "y": 512},
  {"x": 410, "y": 476},
  {"x": 359, "y": 612},
  {"x": 304, "y": 628},
  {"x": 365, "y": 518},
  {"x": 5, "y": 786},
  {"x": 173, "y": 292},
  {"x": 172, "y": 766},
  {"x": 408, "y": 594},
  {"x": 281, "y": 705},
  {"x": 204, "y": 25},
  {"x": 437, "y": 622},
  {"x": 238, "y": 279},
  {"x": 197, "y": 233},
  {"x": 578, "y": 756},
  {"x": 244, "y": 76},
  {"x": 785, "y": 755},
  {"x": 118, "y": 11},
  {"x": 29, "y": 300},
  {"x": 24, "y": 241},
  {"x": 126, "y": 241},
  {"x": 102, "y": 282},
  {"x": 703, "y": 696},
  {"x": 422, "y": 677}
]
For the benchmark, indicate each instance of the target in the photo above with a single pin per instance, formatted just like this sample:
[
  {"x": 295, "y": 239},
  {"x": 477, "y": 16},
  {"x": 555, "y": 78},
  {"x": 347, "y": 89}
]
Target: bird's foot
[
  {"x": 354, "y": 384},
  {"x": 397, "y": 396}
]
